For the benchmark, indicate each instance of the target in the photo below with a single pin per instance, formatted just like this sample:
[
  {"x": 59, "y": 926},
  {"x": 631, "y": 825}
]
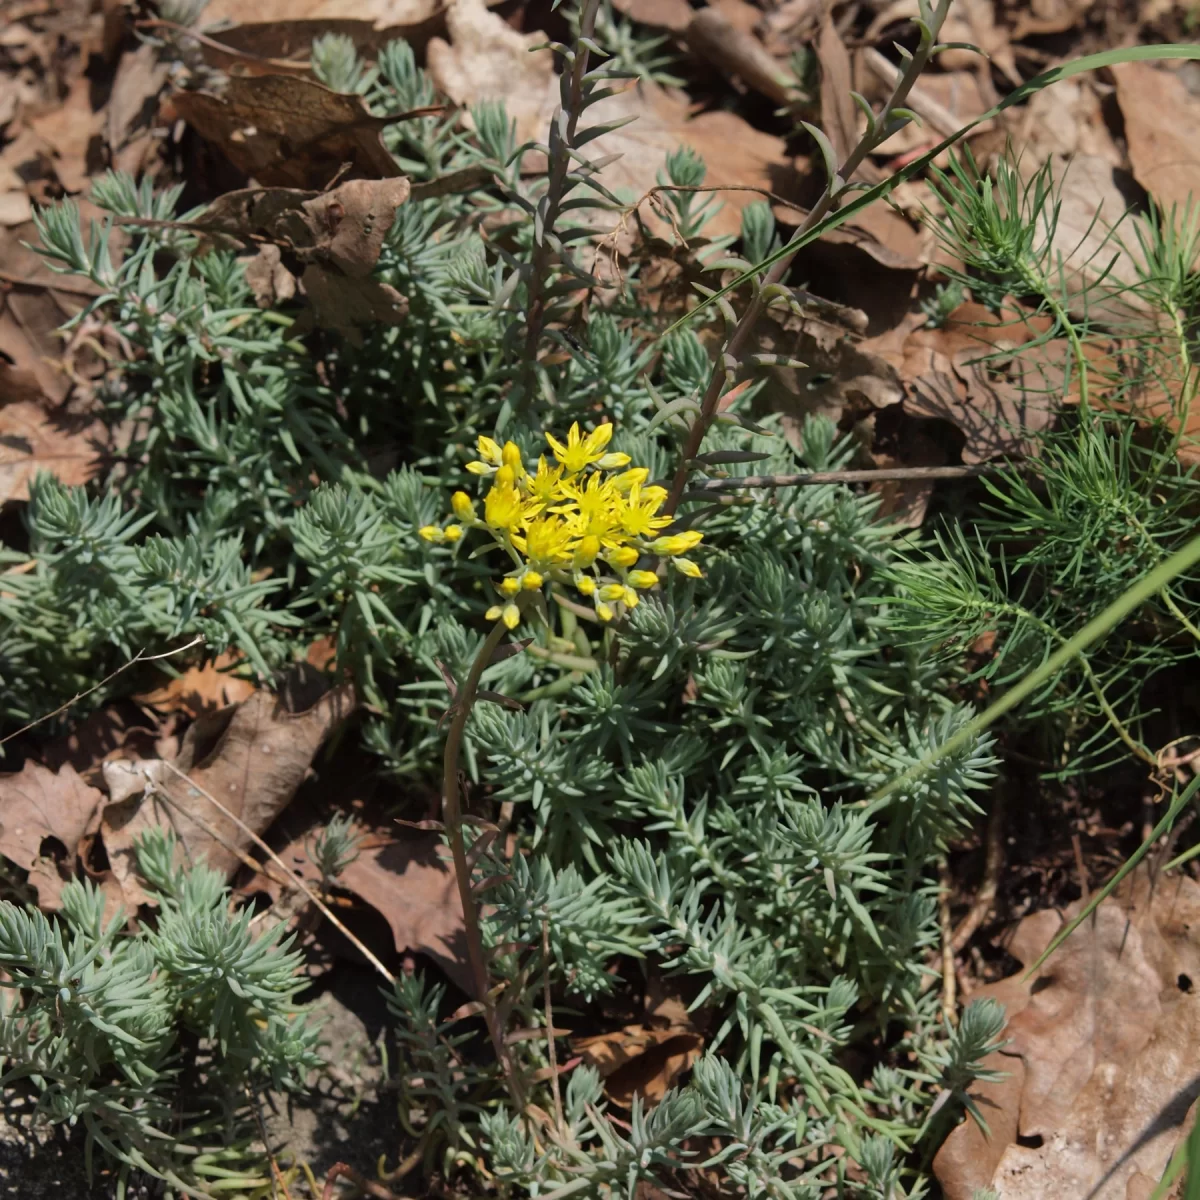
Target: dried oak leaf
[
  {"x": 262, "y": 753},
  {"x": 333, "y": 237},
  {"x": 410, "y": 884},
  {"x": 999, "y": 405},
  {"x": 35, "y": 437},
  {"x": 1161, "y": 117},
  {"x": 200, "y": 689},
  {"x": 486, "y": 59},
  {"x": 42, "y": 811},
  {"x": 289, "y": 132},
  {"x": 1108, "y": 1036},
  {"x": 646, "y": 1058}
]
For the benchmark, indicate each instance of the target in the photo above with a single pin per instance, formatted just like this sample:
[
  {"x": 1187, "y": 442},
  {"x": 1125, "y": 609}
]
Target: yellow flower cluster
[{"x": 586, "y": 521}]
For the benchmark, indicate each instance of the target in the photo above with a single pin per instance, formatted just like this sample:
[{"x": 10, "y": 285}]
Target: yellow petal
[
  {"x": 642, "y": 579},
  {"x": 511, "y": 615},
  {"x": 685, "y": 566},
  {"x": 610, "y": 462},
  {"x": 630, "y": 598},
  {"x": 452, "y": 533},
  {"x": 599, "y": 438},
  {"x": 489, "y": 451},
  {"x": 531, "y": 581},
  {"x": 479, "y": 468},
  {"x": 493, "y": 613},
  {"x": 586, "y": 585},
  {"x": 604, "y": 612},
  {"x": 431, "y": 533},
  {"x": 627, "y": 479},
  {"x": 612, "y": 591},
  {"x": 464, "y": 510},
  {"x": 586, "y": 551},
  {"x": 509, "y": 586}
]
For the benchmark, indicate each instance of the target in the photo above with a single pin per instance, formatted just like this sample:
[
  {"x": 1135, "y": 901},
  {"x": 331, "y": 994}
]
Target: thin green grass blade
[
  {"x": 1149, "y": 585},
  {"x": 1079, "y": 66}
]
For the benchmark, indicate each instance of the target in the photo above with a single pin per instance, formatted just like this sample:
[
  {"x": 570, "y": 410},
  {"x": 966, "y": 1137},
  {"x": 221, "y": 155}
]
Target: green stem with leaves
[
  {"x": 770, "y": 285},
  {"x": 452, "y": 820}
]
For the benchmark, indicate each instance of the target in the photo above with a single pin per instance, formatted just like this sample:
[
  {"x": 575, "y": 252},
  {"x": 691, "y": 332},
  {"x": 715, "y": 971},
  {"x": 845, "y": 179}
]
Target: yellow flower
[
  {"x": 490, "y": 457},
  {"x": 531, "y": 581},
  {"x": 580, "y": 452},
  {"x": 464, "y": 508},
  {"x": 612, "y": 591},
  {"x": 676, "y": 543},
  {"x": 510, "y": 585},
  {"x": 502, "y": 505},
  {"x": 547, "y": 540},
  {"x": 543, "y": 487},
  {"x": 452, "y": 533},
  {"x": 685, "y": 566},
  {"x": 585, "y": 585},
  {"x": 642, "y": 579},
  {"x": 595, "y": 505},
  {"x": 630, "y": 598},
  {"x": 604, "y": 612},
  {"x": 431, "y": 533},
  {"x": 511, "y": 457},
  {"x": 622, "y": 556},
  {"x": 510, "y": 614},
  {"x": 587, "y": 551},
  {"x": 637, "y": 517},
  {"x": 627, "y": 479}
]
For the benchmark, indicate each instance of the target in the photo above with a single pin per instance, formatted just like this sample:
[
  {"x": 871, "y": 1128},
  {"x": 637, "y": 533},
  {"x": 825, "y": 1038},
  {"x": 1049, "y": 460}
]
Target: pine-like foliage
[{"x": 95, "y": 1019}]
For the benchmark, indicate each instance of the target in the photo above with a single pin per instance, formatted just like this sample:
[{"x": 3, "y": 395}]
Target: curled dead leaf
[
  {"x": 250, "y": 759},
  {"x": 289, "y": 132},
  {"x": 644, "y": 1059},
  {"x": 44, "y": 816},
  {"x": 1108, "y": 1039}
]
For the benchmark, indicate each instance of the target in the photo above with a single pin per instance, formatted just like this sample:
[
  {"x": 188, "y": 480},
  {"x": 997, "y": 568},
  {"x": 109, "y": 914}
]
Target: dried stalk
[{"x": 768, "y": 286}]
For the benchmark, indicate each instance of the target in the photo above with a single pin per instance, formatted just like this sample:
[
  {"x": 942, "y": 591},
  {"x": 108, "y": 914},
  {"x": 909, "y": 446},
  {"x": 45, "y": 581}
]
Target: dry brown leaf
[
  {"x": 1049, "y": 16},
  {"x": 259, "y": 759},
  {"x": 1097, "y": 246},
  {"x": 200, "y": 689},
  {"x": 999, "y": 407},
  {"x": 1108, "y": 1035},
  {"x": 69, "y": 128},
  {"x": 34, "y": 437},
  {"x": 409, "y": 882},
  {"x": 1064, "y": 120},
  {"x": 735, "y": 153},
  {"x": 42, "y": 811},
  {"x": 672, "y": 15},
  {"x": 486, "y": 59},
  {"x": 336, "y": 235},
  {"x": 839, "y": 113},
  {"x": 647, "y": 1058},
  {"x": 1161, "y": 118},
  {"x": 133, "y": 101},
  {"x": 380, "y": 14},
  {"x": 289, "y": 132},
  {"x": 713, "y": 37}
]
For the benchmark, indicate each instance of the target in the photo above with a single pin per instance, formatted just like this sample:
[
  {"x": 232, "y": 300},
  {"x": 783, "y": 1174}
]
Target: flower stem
[{"x": 452, "y": 821}]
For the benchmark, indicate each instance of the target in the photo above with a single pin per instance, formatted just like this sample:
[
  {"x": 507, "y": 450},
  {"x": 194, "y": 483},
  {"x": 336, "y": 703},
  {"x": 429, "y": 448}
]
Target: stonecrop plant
[{"x": 685, "y": 692}]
